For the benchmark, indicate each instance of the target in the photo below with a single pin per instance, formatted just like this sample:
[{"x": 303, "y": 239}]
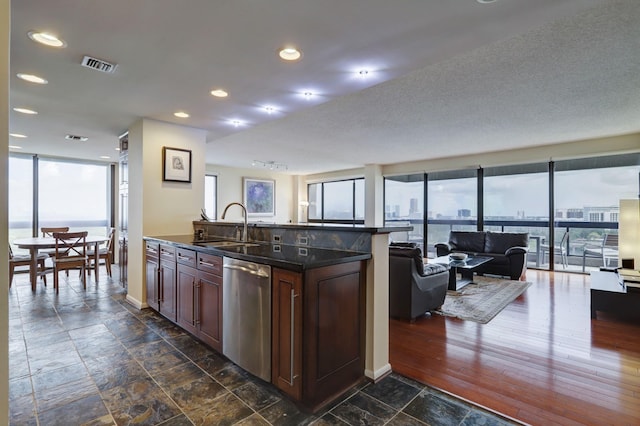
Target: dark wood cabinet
[
  {"x": 152, "y": 267},
  {"x": 318, "y": 332},
  {"x": 286, "y": 357},
  {"x": 167, "y": 282},
  {"x": 199, "y": 280}
]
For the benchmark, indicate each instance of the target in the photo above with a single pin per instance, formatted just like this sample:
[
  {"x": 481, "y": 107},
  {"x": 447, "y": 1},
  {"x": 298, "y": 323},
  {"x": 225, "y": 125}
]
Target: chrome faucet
[{"x": 244, "y": 209}]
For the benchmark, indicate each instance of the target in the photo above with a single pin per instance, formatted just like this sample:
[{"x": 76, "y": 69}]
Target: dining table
[{"x": 37, "y": 243}]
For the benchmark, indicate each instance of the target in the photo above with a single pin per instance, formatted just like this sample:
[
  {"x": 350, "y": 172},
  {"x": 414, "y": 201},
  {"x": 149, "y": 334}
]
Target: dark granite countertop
[{"x": 294, "y": 258}]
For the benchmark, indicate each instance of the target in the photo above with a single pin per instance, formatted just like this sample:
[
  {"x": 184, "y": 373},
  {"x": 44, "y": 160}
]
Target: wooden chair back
[
  {"x": 71, "y": 245},
  {"x": 48, "y": 232},
  {"x": 70, "y": 253}
]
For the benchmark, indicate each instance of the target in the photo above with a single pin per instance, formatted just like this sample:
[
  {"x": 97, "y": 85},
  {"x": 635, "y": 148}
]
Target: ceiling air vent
[
  {"x": 98, "y": 64},
  {"x": 76, "y": 138}
]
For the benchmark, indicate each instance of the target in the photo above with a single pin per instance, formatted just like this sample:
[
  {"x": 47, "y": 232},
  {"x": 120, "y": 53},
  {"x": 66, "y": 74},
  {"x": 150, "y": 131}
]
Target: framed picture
[
  {"x": 259, "y": 197},
  {"x": 176, "y": 165}
]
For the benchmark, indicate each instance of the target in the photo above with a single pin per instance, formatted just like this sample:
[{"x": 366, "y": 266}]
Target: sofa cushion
[
  {"x": 467, "y": 241},
  {"x": 500, "y": 242},
  {"x": 412, "y": 252}
]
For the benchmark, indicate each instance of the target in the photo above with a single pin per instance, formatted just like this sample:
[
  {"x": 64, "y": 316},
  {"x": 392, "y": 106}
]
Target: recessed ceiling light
[
  {"x": 14, "y": 147},
  {"x": 181, "y": 114},
  {"x": 105, "y": 157},
  {"x": 219, "y": 93},
  {"x": 290, "y": 53},
  {"x": 18, "y": 135},
  {"x": 485, "y": 1},
  {"x": 46, "y": 39},
  {"x": 25, "y": 111},
  {"x": 363, "y": 73},
  {"x": 117, "y": 148},
  {"x": 269, "y": 109},
  {"x": 32, "y": 78},
  {"x": 307, "y": 94},
  {"x": 236, "y": 123}
]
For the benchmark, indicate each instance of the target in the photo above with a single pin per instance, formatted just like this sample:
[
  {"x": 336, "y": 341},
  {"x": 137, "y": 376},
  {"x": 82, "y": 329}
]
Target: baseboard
[
  {"x": 380, "y": 373},
  {"x": 136, "y": 303}
]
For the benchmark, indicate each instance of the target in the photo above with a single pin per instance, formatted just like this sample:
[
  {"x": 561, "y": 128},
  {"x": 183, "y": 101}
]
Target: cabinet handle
[
  {"x": 193, "y": 302},
  {"x": 181, "y": 257},
  {"x": 203, "y": 263},
  {"x": 158, "y": 286},
  {"x": 197, "y": 303},
  {"x": 151, "y": 249},
  {"x": 292, "y": 342}
]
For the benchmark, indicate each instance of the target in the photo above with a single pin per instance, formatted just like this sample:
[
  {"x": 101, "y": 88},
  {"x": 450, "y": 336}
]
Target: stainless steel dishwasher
[{"x": 246, "y": 310}]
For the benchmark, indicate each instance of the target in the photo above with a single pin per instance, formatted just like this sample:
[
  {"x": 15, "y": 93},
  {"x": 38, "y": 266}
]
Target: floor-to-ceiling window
[
  {"x": 516, "y": 199},
  {"x": 69, "y": 193},
  {"x": 404, "y": 206},
  {"x": 452, "y": 204},
  {"x": 587, "y": 194},
  {"x": 565, "y": 206},
  {"x": 20, "y": 197}
]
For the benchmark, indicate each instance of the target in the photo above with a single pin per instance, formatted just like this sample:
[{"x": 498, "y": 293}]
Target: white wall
[
  {"x": 230, "y": 189},
  {"x": 156, "y": 207}
]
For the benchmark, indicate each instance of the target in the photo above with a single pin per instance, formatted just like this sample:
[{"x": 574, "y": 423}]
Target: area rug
[{"x": 482, "y": 300}]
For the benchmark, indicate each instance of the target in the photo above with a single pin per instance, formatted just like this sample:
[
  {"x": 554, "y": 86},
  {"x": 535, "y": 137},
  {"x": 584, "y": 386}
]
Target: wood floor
[{"x": 541, "y": 361}]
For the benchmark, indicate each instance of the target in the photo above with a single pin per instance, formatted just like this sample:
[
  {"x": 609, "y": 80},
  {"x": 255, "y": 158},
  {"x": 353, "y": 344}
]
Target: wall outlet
[
  {"x": 303, "y": 241},
  {"x": 277, "y": 238}
]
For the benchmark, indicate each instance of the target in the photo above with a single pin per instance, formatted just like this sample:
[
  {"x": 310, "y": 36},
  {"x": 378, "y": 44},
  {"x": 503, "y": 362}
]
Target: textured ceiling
[{"x": 447, "y": 78}]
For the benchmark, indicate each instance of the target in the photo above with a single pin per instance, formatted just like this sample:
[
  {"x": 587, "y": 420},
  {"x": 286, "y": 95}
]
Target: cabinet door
[
  {"x": 286, "y": 357},
  {"x": 151, "y": 271},
  {"x": 209, "y": 309},
  {"x": 186, "y": 282},
  {"x": 151, "y": 281},
  {"x": 167, "y": 304}
]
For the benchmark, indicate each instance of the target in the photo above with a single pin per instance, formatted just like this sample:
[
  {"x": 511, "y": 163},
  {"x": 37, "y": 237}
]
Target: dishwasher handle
[{"x": 258, "y": 272}]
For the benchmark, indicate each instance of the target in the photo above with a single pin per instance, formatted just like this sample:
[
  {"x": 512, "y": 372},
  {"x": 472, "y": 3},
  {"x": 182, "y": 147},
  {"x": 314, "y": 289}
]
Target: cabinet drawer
[
  {"x": 151, "y": 249},
  {"x": 186, "y": 257},
  {"x": 167, "y": 253},
  {"x": 210, "y": 263}
]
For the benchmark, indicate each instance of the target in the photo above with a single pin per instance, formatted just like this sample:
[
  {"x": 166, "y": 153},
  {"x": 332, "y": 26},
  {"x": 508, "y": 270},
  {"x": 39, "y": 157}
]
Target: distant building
[{"x": 465, "y": 213}]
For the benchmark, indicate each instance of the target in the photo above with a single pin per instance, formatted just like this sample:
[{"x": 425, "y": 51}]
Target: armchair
[{"x": 414, "y": 288}]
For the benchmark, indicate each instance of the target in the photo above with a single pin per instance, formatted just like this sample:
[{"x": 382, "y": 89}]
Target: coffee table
[
  {"x": 608, "y": 294},
  {"x": 465, "y": 267}
]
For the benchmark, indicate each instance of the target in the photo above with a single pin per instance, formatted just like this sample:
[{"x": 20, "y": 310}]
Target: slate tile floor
[{"x": 88, "y": 358}]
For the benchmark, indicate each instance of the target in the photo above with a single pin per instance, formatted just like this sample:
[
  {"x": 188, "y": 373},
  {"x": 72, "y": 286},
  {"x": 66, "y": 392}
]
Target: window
[
  {"x": 20, "y": 197},
  {"x": 338, "y": 201},
  {"x": 69, "y": 193},
  {"x": 211, "y": 196},
  {"x": 73, "y": 194},
  {"x": 404, "y": 206}
]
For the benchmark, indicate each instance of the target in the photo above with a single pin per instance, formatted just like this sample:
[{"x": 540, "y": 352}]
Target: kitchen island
[{"x": 317, "y": 305}]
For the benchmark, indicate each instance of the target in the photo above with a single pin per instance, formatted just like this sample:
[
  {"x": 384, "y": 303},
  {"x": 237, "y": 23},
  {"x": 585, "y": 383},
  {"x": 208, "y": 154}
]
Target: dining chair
[
  {"x": 104, "y": 252},
  {"x": 70, "y": 253},
  {"x": 48, "y": 232},
  {"x": 25, "y": 260}
]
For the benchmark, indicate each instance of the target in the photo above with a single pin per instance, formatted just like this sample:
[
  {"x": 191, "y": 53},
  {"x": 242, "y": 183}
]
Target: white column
[
  {"x": 377, "y": 351},
  {"x": 156, "y": 207}
]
